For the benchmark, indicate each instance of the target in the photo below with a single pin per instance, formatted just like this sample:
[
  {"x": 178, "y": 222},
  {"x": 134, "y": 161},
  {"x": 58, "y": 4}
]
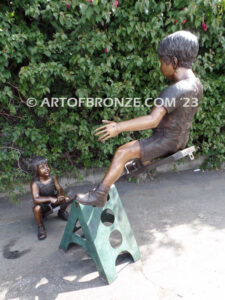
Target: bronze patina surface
[{"x": 170, "y": 118}]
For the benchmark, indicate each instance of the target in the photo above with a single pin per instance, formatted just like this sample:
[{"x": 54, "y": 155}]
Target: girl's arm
[
  {"x": 40, "y": 199},
  {"x": 59, "y": 189}
]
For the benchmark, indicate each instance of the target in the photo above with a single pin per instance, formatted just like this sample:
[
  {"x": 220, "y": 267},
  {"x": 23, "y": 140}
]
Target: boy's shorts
[{"x": 159, "y": 145}]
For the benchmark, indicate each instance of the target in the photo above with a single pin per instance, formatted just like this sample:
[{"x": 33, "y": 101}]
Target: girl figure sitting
[{"x": 46, "y": 190}]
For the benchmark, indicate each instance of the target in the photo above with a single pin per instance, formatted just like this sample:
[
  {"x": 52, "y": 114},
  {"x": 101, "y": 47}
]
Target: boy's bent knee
[
  {"x": 121, "y": 152},
  {"x": 127, "y": 153}
]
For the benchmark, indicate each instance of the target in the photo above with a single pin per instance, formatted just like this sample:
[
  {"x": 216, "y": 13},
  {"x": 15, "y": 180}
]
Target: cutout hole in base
[
  {"x": 124, "y": 258},
  {"x": 107, "y": 217},
  {"x": 78, "y": 230},
  {"x": 115, "y": 239}
]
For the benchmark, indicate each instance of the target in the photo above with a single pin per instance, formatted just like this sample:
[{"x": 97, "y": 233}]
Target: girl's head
[
  {"x": 40, "y": 167},
  {"x": 178, "y": 49}
]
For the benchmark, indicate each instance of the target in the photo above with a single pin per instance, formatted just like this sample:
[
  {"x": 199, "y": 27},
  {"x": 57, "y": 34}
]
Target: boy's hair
[
  {"x": 38, "y": 160},
  {"x": 181, "y": 44}
]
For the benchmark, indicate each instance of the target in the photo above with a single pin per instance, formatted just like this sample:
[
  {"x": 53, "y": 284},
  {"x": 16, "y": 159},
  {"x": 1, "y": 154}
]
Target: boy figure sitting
[
  {"x": 170, "y": 119},
  {"x": 46, "y": 191}
]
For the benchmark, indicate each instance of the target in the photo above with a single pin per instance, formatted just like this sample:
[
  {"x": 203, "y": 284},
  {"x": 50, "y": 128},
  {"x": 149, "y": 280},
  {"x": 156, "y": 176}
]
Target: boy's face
[
  {"x": 43, "y": 169},
  {"x": 167, "y": 69}
]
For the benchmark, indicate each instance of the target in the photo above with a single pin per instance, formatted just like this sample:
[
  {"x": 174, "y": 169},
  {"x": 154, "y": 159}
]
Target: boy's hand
[{"x": 107, "y": 131}]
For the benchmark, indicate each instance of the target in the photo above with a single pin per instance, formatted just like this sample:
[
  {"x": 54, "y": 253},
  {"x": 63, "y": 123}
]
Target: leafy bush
[{"x": 99, "y": 48}]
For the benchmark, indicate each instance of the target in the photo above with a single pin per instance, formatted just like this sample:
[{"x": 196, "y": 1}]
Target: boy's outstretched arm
[{"x": 112, "y": 129}]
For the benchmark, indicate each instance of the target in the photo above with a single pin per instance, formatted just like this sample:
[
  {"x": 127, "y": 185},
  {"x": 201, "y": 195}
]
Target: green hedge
[{"x": 98, "y": 49}]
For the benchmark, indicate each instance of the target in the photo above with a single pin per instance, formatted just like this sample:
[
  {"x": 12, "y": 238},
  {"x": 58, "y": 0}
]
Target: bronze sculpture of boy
[{"x": 170, "y": 123}]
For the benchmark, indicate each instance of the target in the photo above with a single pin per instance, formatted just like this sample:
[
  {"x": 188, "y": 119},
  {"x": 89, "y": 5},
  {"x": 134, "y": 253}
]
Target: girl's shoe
[
  {"x": 63, "y": 214},
  {"x": 42, "y": 234}
]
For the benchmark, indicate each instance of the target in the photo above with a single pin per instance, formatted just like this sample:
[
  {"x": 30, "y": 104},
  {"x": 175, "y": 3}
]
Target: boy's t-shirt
[{"x": 181, "y": 100}]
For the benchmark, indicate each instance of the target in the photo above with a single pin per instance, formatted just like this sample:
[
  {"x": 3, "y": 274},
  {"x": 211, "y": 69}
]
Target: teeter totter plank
[{"x": 169, "y": 159}]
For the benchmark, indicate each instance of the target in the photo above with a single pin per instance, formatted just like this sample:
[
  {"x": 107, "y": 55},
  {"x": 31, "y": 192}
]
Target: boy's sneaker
[{"x": 64, "y": 215}]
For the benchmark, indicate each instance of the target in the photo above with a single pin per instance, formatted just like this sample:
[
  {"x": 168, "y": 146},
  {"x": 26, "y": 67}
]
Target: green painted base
[{"x": 99, "y": 225}]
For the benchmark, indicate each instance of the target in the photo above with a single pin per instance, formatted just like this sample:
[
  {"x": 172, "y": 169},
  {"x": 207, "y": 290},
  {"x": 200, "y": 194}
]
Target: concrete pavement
[{"x": 179, "y": 223}]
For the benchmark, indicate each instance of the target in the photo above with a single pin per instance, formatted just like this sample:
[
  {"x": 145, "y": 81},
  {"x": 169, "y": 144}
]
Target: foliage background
[{"x": 58, "y": 49}]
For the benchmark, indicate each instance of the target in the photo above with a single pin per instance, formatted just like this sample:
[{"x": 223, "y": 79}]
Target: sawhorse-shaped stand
[{"x": 99, "y": 225}]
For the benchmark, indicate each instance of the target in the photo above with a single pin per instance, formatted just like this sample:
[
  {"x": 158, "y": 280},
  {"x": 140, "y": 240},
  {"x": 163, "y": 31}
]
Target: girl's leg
[
  {"x": 62, "y": 213},
  {"x": 38, "y": 218},
  {"x": 38, "y": 214}
]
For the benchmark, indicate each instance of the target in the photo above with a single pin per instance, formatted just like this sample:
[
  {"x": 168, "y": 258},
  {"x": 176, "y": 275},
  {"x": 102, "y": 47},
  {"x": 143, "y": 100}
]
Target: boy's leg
[
  {"x": 37, "y": 210},
  {"x": 123, "y": 154}
]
